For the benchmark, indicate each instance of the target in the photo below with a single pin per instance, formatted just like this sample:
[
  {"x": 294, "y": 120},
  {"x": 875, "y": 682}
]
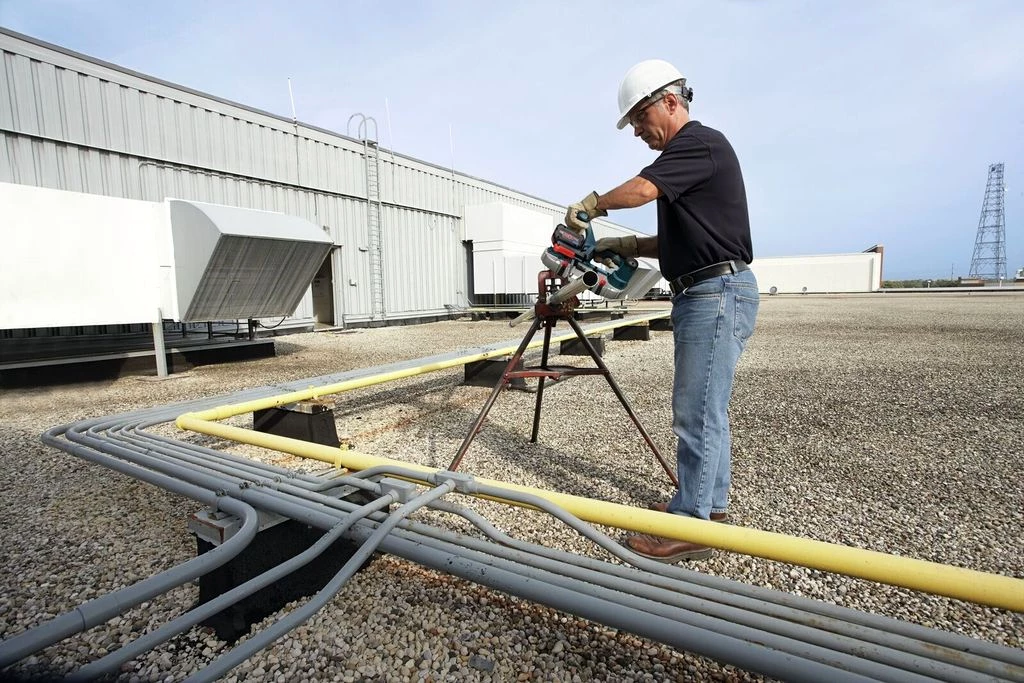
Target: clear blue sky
[{"x": 855, "y": 122}]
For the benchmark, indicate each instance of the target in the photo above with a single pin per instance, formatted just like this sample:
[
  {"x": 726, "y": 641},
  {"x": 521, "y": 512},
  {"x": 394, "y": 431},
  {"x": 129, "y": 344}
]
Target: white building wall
[
  {"x": 827, "y": 273},
  {"x": 74, "y": 123},
  {"x": 95, "y": 263},
  {"x": 507, "y": 244}
]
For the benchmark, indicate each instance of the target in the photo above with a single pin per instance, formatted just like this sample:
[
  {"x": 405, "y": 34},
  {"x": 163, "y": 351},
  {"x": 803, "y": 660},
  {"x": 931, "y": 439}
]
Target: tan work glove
[
  {"x": 623, "y": 246},
  {"x": 588, "y": 204}
]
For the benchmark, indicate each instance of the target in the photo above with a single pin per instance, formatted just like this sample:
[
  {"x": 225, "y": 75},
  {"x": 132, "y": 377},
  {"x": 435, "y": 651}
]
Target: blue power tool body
[{"x": 572, "y": 254}]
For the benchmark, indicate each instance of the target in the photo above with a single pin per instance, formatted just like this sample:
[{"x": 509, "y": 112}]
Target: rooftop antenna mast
[
  {"x": 291, "y": 98},
  {"x": 989, "y": 260}
]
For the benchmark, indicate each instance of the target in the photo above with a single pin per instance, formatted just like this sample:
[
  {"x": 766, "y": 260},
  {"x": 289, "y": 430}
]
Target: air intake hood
[{"x": 231, "y": 263}]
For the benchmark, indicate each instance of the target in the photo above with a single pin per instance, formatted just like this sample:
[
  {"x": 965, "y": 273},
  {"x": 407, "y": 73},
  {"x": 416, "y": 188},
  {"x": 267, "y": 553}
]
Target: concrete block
[
  {"x": 269, "y": 548},
  {"x": 305, "y": 420},
  {"x": 637, "y": 332},
  {"x": 574, "y": 347},
  {"x": 489, "y": 371},
  {"x": 661, "y": 324}
]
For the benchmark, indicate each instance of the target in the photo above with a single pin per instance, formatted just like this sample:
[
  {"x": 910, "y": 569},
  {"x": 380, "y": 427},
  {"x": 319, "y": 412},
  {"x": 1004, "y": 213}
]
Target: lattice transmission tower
[{"x": 989, "y": 260}]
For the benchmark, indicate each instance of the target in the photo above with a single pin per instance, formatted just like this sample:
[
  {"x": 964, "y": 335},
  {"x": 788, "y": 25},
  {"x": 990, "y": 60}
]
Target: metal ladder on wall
[{"x": 374, "y": 232}]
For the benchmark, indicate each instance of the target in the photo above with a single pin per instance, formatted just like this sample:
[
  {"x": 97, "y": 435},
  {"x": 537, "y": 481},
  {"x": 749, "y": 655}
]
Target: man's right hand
[
  {"x": 587, "y": 205},
  {"x": 623, "y": 246}
]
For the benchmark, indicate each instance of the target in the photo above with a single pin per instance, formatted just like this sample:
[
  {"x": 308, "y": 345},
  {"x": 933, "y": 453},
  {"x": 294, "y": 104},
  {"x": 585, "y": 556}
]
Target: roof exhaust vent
[{"x": 233, "y": 263}]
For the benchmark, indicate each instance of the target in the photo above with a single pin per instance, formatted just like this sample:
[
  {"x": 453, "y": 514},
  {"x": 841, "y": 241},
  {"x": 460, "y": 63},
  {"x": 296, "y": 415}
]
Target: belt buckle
[{"x": 681, "y": 283}]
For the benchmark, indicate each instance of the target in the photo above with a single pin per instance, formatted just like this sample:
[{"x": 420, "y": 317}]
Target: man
[{"x": 703, "y": 247}]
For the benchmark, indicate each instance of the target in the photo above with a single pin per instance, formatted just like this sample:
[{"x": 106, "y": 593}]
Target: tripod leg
[
  {"x": 512, "y": 363},
  {"x": 622, "y": 399},
  {"x": 548, "y": 324}
]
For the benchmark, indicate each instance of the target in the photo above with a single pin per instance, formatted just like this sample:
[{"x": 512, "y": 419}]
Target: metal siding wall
[
  {"x": 425, "y": 271},
  {"x": 347, "y": 220},
  {"x": 75, "y": 124},
  {"x": 73, "y": 107}
]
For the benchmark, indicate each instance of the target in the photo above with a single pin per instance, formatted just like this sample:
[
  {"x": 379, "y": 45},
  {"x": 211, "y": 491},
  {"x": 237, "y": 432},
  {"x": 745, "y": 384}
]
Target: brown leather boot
[
  {"x": 666, "y": 549},
  {"x": 722, "y": 517}
]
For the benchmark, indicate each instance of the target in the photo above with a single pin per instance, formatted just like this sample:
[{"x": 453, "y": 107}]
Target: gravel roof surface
[{"x": 888, "y": 422}]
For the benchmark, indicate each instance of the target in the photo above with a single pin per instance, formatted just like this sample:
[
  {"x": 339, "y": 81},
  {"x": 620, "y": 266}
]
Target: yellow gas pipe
[
  {"x": 955, "y": 582},
  {"x": 930, "y": 577},
  {"x": 224, "y": 412}
]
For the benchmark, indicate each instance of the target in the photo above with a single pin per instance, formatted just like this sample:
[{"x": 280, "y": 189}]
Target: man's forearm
[{"x": 629, "y": 195}]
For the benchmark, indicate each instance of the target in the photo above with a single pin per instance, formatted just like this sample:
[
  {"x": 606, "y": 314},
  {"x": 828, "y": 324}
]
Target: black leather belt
[{"x": 689, "y": 279}]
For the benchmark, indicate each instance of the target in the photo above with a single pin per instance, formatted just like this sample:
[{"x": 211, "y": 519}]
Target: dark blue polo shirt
[{"x": 702, "y": 210}]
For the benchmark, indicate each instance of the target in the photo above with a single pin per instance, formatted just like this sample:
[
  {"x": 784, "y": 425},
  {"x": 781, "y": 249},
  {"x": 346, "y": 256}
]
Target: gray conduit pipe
[
  {"x": 784, "y": 636},
  {"x": 958, "y": 656},
  {"x": 314, "y": 483},
  {"x": 758, "y": 621},
  {"x": 310, "y": 482},
  {"x": 103, "y": 608},
  {"x": 139, "y": 429},
  {"x": 952, "y": 648},
  {"x": 258, "y": 494},
  {"x": 956, "y": 651},
  {"x": 601, "y": 605},
  {"x": 754, "y": 655},
  {"x": 496, "y": 492},
  {"x": 150, "y": 459},
  {"x": 111, "y": 662},
  {"x": 200, "y": 460},
  {"x": 261, "y": 497},
  {"x": 957, "y": 648},
  {"x": 310, "y": 514},
  {"x": 612, "y": 547},
  {"x": 233, "y": 658},
  {"x": 210, "y": 460}
]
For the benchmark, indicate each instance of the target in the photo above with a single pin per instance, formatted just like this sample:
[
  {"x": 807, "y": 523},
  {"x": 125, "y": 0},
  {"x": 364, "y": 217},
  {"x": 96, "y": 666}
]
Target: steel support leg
[
  {"x": 512, "y": 363},
  {"x": 548, "y": 324},
  {"x": 622, "y": 399}
]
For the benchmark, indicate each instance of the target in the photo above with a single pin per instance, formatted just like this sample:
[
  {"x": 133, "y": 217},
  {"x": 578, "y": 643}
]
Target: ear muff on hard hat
[{"x": 644, "y": 80}]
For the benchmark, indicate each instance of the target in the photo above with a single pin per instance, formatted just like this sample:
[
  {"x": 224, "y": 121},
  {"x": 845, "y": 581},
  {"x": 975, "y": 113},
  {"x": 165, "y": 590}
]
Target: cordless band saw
[{"x": 572, "y": 255}]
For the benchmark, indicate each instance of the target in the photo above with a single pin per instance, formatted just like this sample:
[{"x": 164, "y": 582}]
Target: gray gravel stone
[{"x": 889, "y": 422}]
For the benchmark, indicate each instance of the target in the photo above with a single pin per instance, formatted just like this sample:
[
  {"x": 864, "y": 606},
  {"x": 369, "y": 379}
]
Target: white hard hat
[{"x": 642, "y": 81}]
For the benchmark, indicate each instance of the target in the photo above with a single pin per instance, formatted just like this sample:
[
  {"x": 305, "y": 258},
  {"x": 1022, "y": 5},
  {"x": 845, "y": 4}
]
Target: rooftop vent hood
[{"x": 234, "y": 263}]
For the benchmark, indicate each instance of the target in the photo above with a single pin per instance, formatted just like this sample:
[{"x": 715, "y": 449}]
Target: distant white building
[{"x": 820, "y": 274}]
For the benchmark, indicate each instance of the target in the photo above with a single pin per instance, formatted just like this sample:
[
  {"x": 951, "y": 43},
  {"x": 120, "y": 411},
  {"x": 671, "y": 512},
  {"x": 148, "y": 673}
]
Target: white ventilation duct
[
  {"x": 71, "y": 258},
  {"x": 240, "y": 263}
]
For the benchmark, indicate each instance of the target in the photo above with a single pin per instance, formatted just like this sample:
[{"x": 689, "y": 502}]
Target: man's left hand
[{"x": 588, "y": 205}]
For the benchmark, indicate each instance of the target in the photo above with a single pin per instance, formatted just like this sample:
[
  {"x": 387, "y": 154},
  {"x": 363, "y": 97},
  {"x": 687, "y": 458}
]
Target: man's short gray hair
[{"x": 677, "y": 90}]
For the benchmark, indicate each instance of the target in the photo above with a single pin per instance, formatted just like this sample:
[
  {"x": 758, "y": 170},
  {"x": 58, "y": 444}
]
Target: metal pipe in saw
[{"x": 586, "y": 281}]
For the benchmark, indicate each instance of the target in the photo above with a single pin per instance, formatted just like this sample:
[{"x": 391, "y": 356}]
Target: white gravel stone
[{"x": 889, "y": 422}]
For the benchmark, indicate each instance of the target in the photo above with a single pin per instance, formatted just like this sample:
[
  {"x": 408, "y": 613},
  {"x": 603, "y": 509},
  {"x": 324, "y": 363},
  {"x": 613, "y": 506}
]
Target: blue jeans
[{"x": 711, "y": 322}]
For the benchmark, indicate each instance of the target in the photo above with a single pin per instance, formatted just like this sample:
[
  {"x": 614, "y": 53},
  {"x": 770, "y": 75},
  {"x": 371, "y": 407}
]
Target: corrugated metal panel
[
  {"x": 70, "y": 122},
  {"x": 426, "y": 267},
  {"x": 218, "y": 296},
  {"x": 351, "y": 281},
  {"x": 123, "y": 112},
  {"x": 74, "y": 107}
]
